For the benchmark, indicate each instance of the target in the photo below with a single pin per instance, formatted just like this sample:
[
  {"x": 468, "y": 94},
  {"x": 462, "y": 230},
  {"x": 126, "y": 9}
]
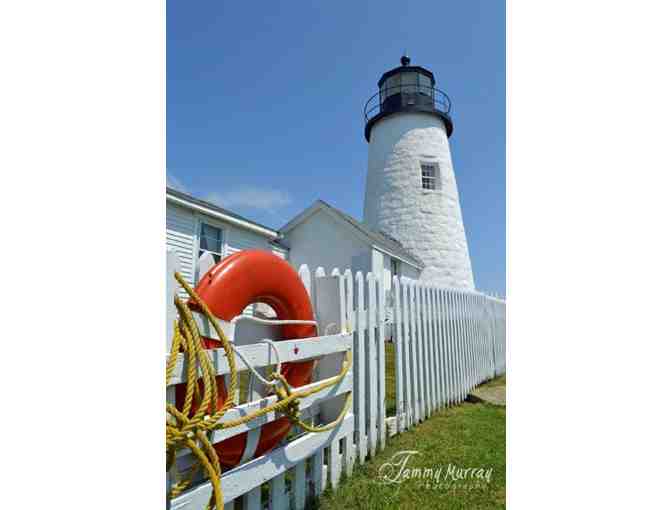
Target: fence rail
[{"x": 446, "y": 341}]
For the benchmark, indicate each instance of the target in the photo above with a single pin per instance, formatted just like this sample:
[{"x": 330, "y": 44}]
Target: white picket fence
[{"x": 445, "y": 342}]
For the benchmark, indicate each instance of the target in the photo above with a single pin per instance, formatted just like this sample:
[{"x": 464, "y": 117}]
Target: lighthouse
[{"x": 411, "y": 191}]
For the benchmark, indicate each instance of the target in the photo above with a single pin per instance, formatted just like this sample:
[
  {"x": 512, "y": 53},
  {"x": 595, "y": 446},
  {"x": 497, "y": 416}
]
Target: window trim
[
  {"x": 436, "y": 178},
  {"x": 222, "y": 241},
  {"x": 395, "y": 266}
]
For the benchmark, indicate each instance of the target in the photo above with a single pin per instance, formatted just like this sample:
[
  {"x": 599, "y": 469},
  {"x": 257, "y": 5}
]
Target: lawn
[{"x": 449, "y": 444}]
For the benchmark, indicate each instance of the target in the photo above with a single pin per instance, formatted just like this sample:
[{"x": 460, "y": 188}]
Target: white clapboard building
[
  {"x": 201, "y": 231},
  {"x": 324, "y": 236}
]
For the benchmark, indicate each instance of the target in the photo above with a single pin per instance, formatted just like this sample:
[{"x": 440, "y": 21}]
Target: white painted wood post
[
  {"x": 427, "y": 346},
  {"x": 409, "y": 408},
  {"x": 445, "y": 367},
  {"x": 425, "y": 351},
  {"x": 372, "y": 365},
  {"x": 472, "y": 357},
  {"x": 477, "y": 352},
  {"x": 278, "y": 497},
  {"x": 349, "y": 325},
  {"x": 451, "y": 347},
  {"x": 360, "y": 370},
  {"x": 431, "y": 315},
  {"x": 443, "y": 359},
  {"x": 493, "y": 335},
  {"x": 478, "y": 324},
  {"x": 419, "y": 365},
  {"x": 398, "y": 355},
  {"x": 434, "y": 349},
  {"x": 382, "y": 404},
  {"x": 299, "y": 486},
  {"x": 252, "y": 499},
  {"x": 463, "y": 344},
  {"x": 450, "y": 331},
  {"x": 330, "y": 306},
  {"x": 317, "y": 473},
  {"x": 335, "y": 463}
]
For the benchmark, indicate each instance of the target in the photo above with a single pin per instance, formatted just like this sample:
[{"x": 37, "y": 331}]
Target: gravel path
[{"x": 495, "y": 395}]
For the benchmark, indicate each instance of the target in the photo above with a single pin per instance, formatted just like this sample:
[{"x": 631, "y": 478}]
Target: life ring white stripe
[{"x": 251, "y": 444}]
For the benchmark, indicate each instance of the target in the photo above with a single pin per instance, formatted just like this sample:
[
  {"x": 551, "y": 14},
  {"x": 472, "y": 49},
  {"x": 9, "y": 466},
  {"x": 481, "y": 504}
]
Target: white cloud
[
  {"x": 175, "y": 183},
  {"x": 251, "y": 198}
]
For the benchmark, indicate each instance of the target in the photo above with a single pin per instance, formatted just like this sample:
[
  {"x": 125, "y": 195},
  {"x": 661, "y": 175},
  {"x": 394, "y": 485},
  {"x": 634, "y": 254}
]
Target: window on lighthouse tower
[{"x": 430, "y": 176}]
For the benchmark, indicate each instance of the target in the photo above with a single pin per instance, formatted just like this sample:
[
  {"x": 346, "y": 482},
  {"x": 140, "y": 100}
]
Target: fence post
[{"x": 331, "y": 316}]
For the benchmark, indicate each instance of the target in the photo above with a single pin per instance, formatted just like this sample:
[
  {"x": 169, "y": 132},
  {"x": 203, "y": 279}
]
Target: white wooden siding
[
  {"x": 183, "y": 230},
  {"x": 180, "y": 231},
  {"x": 237, "y": 239}
]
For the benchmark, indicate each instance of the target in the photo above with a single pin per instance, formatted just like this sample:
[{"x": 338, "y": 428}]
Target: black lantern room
[{"x": 407, "y": 88}]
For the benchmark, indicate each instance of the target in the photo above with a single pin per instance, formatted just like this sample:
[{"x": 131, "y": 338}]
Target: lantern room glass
[
  {"x": 406, "y": 82},
  {"x": 409, "y": 83}
]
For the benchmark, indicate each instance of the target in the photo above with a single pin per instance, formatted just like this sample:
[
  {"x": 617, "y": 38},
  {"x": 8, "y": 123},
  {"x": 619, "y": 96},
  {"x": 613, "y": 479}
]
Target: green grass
[
  {"x": 493, "y": 383},
  {"x": 465, "y": 436}
]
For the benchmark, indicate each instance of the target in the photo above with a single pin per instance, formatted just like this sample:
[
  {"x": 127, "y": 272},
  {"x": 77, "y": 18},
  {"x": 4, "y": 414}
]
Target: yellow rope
[{"x": 194, "y": 432}]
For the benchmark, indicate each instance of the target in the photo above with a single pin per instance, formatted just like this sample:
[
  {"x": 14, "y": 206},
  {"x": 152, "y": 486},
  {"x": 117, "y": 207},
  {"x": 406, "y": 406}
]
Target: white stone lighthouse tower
[{"x": 411, "y": 193}]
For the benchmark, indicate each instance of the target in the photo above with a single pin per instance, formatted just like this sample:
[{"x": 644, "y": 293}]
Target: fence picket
[
  {"x": 420, "y": 366},
  {"x": 252, "y": 499},
  {"x": 399, "y": 355},
  {"x": 443, "y": 360},
  {"x": 382, "y": 407},
  {"x": 317, "y": 472},
  {"x": 431, "y": 337},
  {"x": 409, "y": 410},
  {"x": 477, "y": 332},
  {"x": 299, "y": 486},
  {"x": 360, "y": 371},
  {"x": 462, "y": 320},
  {"x": 335, "y": 464},
  {"x": 472, "y": 341},
  {"x": 372, "y": 365},
  {"x": 477, "y": 329},
  {"x": 349, "y": 451},
  {"x": 452, "y": 372},
  {"x": 450, "y": 365},
  {"x": 279, "y": 499},
  {"x": 434, "y": 349},
  {"x": 427, "y": 346},
  {"x": 443, "y": 363}
]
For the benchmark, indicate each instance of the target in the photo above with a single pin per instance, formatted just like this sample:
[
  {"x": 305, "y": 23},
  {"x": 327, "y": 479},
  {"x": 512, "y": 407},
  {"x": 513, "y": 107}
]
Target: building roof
[
  {"x": 220, "y": 213},
  {"x": 379, "y": 239}
]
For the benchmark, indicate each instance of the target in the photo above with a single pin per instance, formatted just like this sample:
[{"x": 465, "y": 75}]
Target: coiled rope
[{"x": 185, "y": 429}]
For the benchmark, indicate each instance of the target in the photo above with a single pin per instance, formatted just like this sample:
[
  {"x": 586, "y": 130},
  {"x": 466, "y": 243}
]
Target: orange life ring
[{"x": 246, "y": 277}]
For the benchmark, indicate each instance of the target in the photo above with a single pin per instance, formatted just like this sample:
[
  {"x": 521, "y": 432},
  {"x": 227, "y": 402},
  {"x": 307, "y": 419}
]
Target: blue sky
[{"x": 264, "y": 104}]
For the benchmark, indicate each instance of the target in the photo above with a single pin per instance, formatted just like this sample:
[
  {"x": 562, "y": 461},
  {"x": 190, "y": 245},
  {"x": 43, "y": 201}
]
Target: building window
[
  {"x": 211, "y": 241},
  {"x": 395, "y": 267},
  {"x": 431, "y": 178}
]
